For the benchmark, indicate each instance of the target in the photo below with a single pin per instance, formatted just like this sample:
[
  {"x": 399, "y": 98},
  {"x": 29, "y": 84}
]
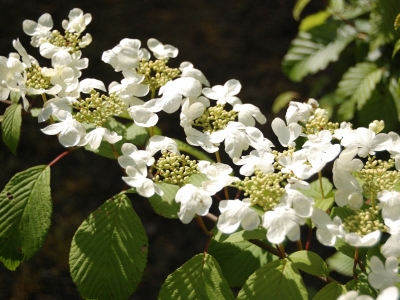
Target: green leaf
[
  {"x": 11, "y": 126},
  {"x": 238, "y": 261},
  {"x": 239, "y": 236},
  {"x": 298, "y": 8},
  {"x": 361, "y": 285},
  {"x": 136, "y": 135},
  {"x": 278, "y": 280},
  {"x": 346, "y": 11},
  {"x": 348, "y": 250},
  {"x": 14, "y": 97},
  {"x": 310, "y": 263},
  {"x": 324, "y": 204},
  {"x": 312, "y": 51},
  {"x": 109, "y": 251},
  {"x": 314, "y": 20},
  {"x": 199, "y": 278},
  {"x": 358, "y": 83},
  {"x": 283, "y": 100},
  {"x": 331, "y": 291},
  {"x": 35, "y": 111},
  {"x": 184, "y": 147},
  {"x": 341, "y": 263},
  {"x": 382, "y": 18},
  {"x": 318, "y": 189},
  {"x": 25, "y": 215},
  {"x": 396, "y": 48},
  {"x": 165, "y": 205},
  {"x": 397, "y": 22},
  {"x": 197, "y": 179}
]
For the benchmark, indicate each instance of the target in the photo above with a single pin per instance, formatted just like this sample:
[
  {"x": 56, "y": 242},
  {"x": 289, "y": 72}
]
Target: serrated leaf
[
  {"x": 341, "y": 263},
  {"x": 361, "y": 285},
  {"x": 313, "y": 50},
  {"x": 199, "y": 278},
  {"x": 346, "y": 11},
  {"x": 25, "y": 215},
  {"x": 358, "y": 83},
  {"x": 184, "y": 147},
  {"x": 238, "y": 261},
  {"x": 382, "y": 17},
  {"x": 109, "y": 251},
  {"x": 14, "y": 97},
  {"x": 165, "y": 205},
  {"x": 298, "y": 8},
  {"x": 239, "y": 236},
  {"x": 331, "y": 291},
  {"x": 278, "y": 280},
  {"x": 11, "y": 126},
  {"x": 314, "y": 20},
  {"x": 283, "y": 100},
  {"x": 310, "y": 263}
]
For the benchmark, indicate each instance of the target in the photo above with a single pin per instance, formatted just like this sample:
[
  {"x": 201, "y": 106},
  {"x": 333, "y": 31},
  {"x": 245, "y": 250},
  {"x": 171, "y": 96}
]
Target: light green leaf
[
  {"x": 14, "y": 97},
  {"x": 194, "y": 152},
  {"x": 298, "y": 8},
  {"x": 238, "y": 261},
  {"x": 396, "y": 48},
  {"x": 341, "y": 263},
  {"x": 165, "y": 205},
  {"x": 348, "y": 250},
  {"x": 361, "y": 285},
  {"x": 310, "y": 263},
  {"x": 283, "y": 100},
  {"x": 109, "y": 251},
  {"x": 331, "y": 291},
  {"x": 25, "y": 215},
  {"x": 397, "y": 22},
  {"x": 318, "y": 189},
  {"x": 199, "y": 278},
  {"x": 324, "y": 204},
  {"x": 136, "y": 135},
  {"x": 35, "y": 111},
  {"x": 314, "y": 20},
  {"x": 11, "y": 126},
  {"x": 342, "y": 10},
  {"x": 358, "y": 83},
  {"x": 312, "y": 51},
  {"x": 278, "y": 280},
  {"x": 197, "y": 179},
  {"x": 239, "y": 236}
]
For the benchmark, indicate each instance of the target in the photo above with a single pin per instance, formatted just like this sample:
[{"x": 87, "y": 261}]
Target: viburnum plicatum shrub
[{"x": 262, "y": 208}]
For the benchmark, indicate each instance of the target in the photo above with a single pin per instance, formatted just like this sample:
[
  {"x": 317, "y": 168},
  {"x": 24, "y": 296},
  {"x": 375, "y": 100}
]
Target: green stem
[{"x": 200, "y": 222}]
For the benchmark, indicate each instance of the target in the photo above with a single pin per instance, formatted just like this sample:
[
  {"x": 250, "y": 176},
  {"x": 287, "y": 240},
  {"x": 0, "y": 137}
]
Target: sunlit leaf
[
  {"x": 331, "y": 291},
  {"x": 310, "y": 263},
  {"x": 165, "y": 205},
  {"x": 283, "y": 100},
  {"x": 11, "y": 126}
]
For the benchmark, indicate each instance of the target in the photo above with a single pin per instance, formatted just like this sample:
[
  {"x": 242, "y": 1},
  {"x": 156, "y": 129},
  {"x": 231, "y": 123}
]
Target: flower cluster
[{"x": 275, "y": 191}]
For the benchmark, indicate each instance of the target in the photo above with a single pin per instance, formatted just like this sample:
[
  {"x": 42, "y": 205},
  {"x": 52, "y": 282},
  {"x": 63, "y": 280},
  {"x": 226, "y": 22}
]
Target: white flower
[
  {"x": 224, "y": 94},
  {"x": 286, "y": 134},
  {"x": 382, "y": 276},
  {"x": 144, "y": 186},
  {"x": 263, "y": 162},
  {"x": 57, "y": 107},
  {"x": 390, "y": 205},
  {"x": 162, "y": 143},
  {"x": 300, "y": 203},
  {"x": 191, "y": 110},
  {"x": 8, "y": 68},
  {"x": 369, "y": 240},
  {"x": 130, "y": 88},
  {"x": 300, "y": 112},
  {"x": 248, "y": 113},
  {"x": 94, "y": 137},
  {"x": 235, "y": 213},
  {"x": 187, "y": 70},
  {"x": 296, "y": 164},
  {"x": 40, "y": 32},
  {"x": 367, "y": 141},
  {"x": 70, "y": 132},
  {"x": 353, "y": 295},
  {"x": 194, "y": 201},
  {"x": 133, "y": 157},
  {"x": 392, "y": 245},
  {"x": 394, "y": 148},
  {"x": 390, "y": 293},
  {"x": 195, "y": 137},
  {"x": 161, "y": 51},
  {"x": 343, "y": 130},
  {"x": 218, "y": 175},
  {"x": 280, "y": 222},
  {"x": 124, "y": 56},
  {"x": 328, "y": 230},
  {"x": 77, "y": 21}
]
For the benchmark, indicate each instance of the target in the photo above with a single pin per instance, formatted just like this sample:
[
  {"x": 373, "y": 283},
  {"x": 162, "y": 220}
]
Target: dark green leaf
[
  {"x": 11, "y": 126},
  {"x": 239, "y": 236},
  {"x": 25, "y": 213},
  {"x": 199, "y": 278},
  {"x": 165, "y": 205},
  {"x": 310, "y": 263},
  {"x": 192, "y": 151},
  {"x": 109, "y": 251},
  {"x": 283, "y": 100},
  {"x": 331, "y": 291}
]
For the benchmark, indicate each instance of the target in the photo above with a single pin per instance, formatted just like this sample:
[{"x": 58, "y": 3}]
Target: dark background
[{"x": 228, "y": 39}]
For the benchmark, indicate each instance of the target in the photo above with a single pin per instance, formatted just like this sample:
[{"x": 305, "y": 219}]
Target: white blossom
[
  {"x": 383, "y": 276},
  {"x": 160, "y": 50},
  {"x": 40, "y": 31},
  {"x": 235, "y": 213},
  {"x": 226, "y": 93}
]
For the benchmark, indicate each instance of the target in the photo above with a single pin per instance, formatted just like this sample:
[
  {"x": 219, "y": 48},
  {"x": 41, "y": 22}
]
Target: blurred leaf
[
  {"x": 283, "y": 100},
  {"x": 314, "y": 20},
  {"x": 197, "y": 179},
  {"x": 165, "y": 205},
  {"x": 310, "y": 263},
  {"x": 397, "y": 22},
  {"x": 324, "y": 204},
  {"x": 312, "y": 51},
  {"x": 278, "y": 280},
  {"x": 331, "y": 291},
  {"x": 11, "y": 126},
  {"x": 396, "y": 48},
  {"x": 109, "y": 251},
  {"x": 136, "y": 135},
  {"x": 318, "y": 189},
  {"x": 361, "y": 285},
  {"x": 342, "y": 10},
  {"x": 14, "y": 97},
  {"x": 192, "y": 151},
  {"x": 35, "y": 111},
  {"x": 341, "y": 263},
  {"x": 25, "y": 215},
  {"x": 199, "y": 278},
  {"x": 298, "y": 8},
  {"x": 239, "y": 236},
  {"x": 238, "y": 261}
]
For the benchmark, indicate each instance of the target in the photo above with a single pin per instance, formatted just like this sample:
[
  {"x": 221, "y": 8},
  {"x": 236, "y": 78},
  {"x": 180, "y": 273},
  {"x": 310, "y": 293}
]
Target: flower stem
[
  {"x": 65, "y": 153},
  {"x": 200, "y": 222},
  {"x": 299, "y": 245},
  {"x": 266, "y": 247},
  {"x": 281, "y": 250},
  {"x": 114, "y": 151},
  {"x": 309, "y": 236},
  {"x": 355, "y": 264}
]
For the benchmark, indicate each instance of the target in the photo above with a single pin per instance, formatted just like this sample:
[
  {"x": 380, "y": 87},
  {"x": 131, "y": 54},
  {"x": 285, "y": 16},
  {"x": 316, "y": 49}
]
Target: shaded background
[{"x": 228, "y": 39}]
